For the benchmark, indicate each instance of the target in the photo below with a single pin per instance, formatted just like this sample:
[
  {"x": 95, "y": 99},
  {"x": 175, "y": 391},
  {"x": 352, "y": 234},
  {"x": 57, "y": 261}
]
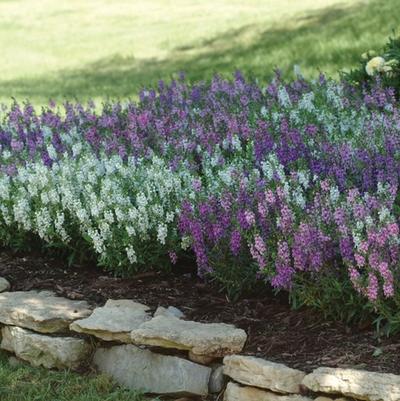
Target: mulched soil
[{"x": 298, "y": 338}]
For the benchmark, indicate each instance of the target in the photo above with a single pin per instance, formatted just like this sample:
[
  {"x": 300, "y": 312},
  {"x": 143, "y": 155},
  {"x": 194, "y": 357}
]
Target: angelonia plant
[{"x": 293, "y": 185}]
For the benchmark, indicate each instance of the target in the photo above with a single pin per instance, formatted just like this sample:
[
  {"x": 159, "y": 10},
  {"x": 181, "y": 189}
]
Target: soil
[{"x": 299, "y": 338}]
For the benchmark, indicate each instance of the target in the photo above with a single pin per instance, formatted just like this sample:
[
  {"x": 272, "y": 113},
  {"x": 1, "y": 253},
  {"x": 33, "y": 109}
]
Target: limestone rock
[
  {"x": 43, "y": 350},
  {"x": 41, "y": 311},
  {"x": 322, "y": 398},
  {"x": 211, "y": 339},
  {"x": 114, "y": 321},
  {"x": 359, "y": 384},
  {"x": 262, "y": 373},
  {"x": 144, "y": 370},
  {"x": 234, "y": 392},
  {"x": 170, "y": 311},
  {"x": 4, "y": 284},
  {"x": 202, "y": 359},
  {"x": 217, "y": 380}
]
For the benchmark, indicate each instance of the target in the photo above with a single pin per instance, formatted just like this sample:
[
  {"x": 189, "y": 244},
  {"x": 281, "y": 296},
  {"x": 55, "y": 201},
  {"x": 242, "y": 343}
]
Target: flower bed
[{"x": 294, "y": 184}]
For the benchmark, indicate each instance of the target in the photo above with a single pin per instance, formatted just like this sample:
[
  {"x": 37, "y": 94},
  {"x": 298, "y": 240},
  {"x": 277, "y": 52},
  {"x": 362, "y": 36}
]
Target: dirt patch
[{"x": 298, "y": 338}]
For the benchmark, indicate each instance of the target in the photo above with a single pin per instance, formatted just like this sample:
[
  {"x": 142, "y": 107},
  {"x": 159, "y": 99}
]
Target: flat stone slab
[
  {"x": 4, "y": 284},
  {"x": 211, "y": 339},
  {"x": 170, "y": 311},
  {"x": 114, "y": 321},
  {"x": 40, "y": 311},
  {"x": 262, "y": 373},
  {"x": 140, "y": 369},
  {"x": 234, "y": 392},
  {"x": 43, "y": 350},
  {"x": 359, "y": 384}
]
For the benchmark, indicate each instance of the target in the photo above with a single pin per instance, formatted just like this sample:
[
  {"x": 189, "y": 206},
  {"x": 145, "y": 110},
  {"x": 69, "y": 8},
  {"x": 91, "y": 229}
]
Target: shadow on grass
[{"x": 327, "y": 40}]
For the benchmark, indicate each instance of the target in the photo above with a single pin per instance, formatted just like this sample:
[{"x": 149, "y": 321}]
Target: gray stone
[
  {"x": 262, "y": 373},
  {"x": 217, "y": 380},
  {"x": 234, "y": 392},
  {"x": 114, "y": 321},
  {"x": 40, "y": 311},
  {"x": 359, "y": 384},
  {"x": 170, "y": 311},
  {"x": 141, "y": 369},
  {"x": 43, "y": 350},
  {"x": 211, "y": 339},
  {"x": 4, "y": 284}
]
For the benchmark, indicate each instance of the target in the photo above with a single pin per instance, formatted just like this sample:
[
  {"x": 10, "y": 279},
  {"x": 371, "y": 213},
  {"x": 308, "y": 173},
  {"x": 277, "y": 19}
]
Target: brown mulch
[{"x": 298, "y": 338}]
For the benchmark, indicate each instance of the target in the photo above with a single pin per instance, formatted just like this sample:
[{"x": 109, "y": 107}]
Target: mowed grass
[
  {"x": 24, "y": 383},
  {"x": 99, "y": 49}
]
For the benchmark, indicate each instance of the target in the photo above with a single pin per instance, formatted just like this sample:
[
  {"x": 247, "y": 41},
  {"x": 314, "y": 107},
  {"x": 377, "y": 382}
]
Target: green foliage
[
  {"x": 388, "y": 321},
  {"x": 235, "y": 275},
  {"x": 334, "y": 296},
  {"x": 383, "y": 65}
]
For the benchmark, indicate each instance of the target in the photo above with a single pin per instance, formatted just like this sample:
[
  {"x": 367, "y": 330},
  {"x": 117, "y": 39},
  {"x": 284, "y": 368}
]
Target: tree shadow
[{"x": 327, "y": 40}]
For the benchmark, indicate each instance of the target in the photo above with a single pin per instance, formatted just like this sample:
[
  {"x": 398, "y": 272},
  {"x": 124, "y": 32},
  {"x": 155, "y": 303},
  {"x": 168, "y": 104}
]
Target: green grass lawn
[
  {"x": 23, "y": 383},
  {"x": 100, "y": 48}
]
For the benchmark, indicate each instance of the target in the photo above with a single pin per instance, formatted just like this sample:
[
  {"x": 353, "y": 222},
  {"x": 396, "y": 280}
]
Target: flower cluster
[
  {"x": 281, "y": 183},
  {"x": 116, "y": 208},
  {"x": 378, "y": 65}
]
